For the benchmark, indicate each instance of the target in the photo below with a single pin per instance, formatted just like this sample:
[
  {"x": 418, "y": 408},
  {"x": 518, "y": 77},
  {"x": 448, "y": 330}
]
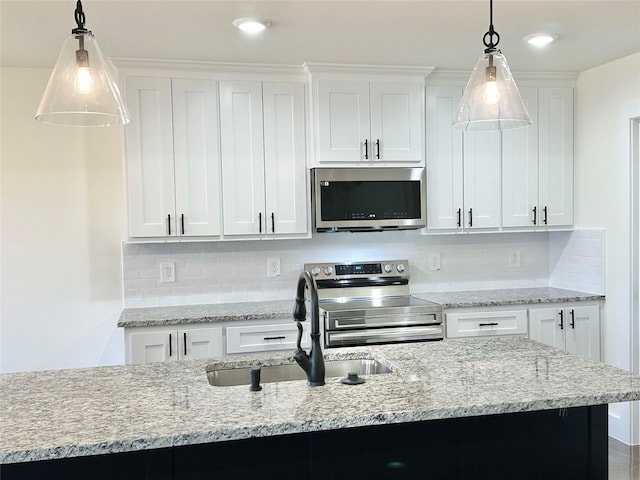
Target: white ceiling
[{"x": 446, "y": 34}]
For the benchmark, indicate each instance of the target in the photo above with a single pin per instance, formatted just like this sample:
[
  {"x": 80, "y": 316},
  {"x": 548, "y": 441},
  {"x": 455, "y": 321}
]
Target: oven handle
[
  {"x": 388, "y": 333},
  {"x": 383, "y": 321}
]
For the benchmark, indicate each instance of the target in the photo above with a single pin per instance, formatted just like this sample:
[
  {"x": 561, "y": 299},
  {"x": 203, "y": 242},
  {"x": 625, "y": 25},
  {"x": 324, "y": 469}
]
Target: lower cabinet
[
  {"x": 165, "y": 344},
  {"x": 479, "y": 323},
  {"x": 264, "y": 338},
  {"x": 575, "y": 329},
  {"x": 191, "y": 342}
]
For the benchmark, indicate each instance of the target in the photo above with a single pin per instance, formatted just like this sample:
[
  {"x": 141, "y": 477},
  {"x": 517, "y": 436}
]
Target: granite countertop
[
  {"x": 511, "y": 296},
  {"x": 67, "y": 413},
  {"x": 224, "y": 312}
]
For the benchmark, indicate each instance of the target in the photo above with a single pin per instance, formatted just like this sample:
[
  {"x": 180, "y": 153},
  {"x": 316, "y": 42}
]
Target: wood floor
[{"x": 624, "y": 461}]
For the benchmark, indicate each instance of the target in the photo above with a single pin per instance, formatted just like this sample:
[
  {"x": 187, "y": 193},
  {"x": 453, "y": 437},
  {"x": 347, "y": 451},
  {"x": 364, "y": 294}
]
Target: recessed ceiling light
[
  {"x": 540, "y": 39},
  {"x": 251, "y": 25}
]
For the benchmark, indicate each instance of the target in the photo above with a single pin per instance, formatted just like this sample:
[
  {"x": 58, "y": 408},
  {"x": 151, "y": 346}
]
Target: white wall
[
  {"x": 61, "y": 223},
  {"x": 602, "y": 198}
]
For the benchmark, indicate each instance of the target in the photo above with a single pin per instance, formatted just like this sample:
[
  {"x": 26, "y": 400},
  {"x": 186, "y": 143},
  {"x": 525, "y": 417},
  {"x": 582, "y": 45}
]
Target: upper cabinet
[
  {"x": 367, "y": 119},
  {"x": 172, "y": 157},
  {"x": 517, "y": 179},
  {"x": 463, "y": 169},
  {"x": 263, "y": 158},
  {"x": 215, "y": 154},
  {"x": 537, "y": 164}
]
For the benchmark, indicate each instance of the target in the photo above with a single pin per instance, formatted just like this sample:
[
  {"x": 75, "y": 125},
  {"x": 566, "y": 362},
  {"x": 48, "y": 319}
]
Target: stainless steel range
[{"x": 370, "y": 303}]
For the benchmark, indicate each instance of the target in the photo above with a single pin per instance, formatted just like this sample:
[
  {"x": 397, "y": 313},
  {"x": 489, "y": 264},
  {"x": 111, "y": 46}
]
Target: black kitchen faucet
[{"x": 312, "y": 364}]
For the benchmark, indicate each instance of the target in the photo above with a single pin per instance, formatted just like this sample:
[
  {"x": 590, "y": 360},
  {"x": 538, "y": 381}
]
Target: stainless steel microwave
[{"x": 368, "y": 199}]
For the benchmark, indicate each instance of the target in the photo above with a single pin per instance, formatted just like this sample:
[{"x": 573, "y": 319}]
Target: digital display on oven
[{"x": 359, "y": 269}]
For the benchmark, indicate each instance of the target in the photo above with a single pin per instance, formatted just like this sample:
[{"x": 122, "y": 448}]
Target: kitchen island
[{"x": 471, "y": 407}]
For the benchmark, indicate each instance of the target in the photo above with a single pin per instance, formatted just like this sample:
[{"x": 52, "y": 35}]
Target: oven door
[{"x": 371, "y": 336}]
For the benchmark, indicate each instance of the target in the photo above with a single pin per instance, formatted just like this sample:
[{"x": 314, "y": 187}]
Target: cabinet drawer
[
  {"x": 262, "y": 338},
  {"x": 477, "y": 324}
]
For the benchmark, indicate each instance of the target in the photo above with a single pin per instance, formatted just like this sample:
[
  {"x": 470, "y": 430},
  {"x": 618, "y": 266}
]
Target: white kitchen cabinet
[
  {"x": 575, "y": 329},
  {"x": 166, "y": 344},
  {"x": 463, "y": 169},
  {"x": 263, "y": 158},
  {"x": 265, "y": 337},
  {"x": 172, "y": 157},
  {"x": 362, "y": 122},
  {"x": 483, "y": 322},
  {"x": 537, "y": 164}
]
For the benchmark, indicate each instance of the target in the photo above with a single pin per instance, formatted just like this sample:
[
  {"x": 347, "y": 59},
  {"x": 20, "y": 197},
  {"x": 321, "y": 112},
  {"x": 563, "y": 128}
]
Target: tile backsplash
[
  {"x": 236, "y": 271},
  {"x": 577, "y": 261}
]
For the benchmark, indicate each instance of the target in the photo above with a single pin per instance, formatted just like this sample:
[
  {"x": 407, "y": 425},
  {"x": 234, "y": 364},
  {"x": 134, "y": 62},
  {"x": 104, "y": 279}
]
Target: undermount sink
[{"x": 228, "y": 377}]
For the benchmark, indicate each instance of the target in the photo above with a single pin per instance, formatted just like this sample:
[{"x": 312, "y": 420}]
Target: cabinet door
[
  {"x": 262, "y": 338},
  {"x": 200, "y": 343},
  {"x": 397, "y": 124},
  {"x": 556, "y": 155},
  {"x": 159, "y": 346},
  {"x": 149, "y": 153},
  {"x": 582, "y": 326},
  {"x": 520, "y": 169},
  {"x": 195, "y": 130},
  {"x": 343, "y": 121},
  {"x": 242, "y": 158},
  {"x": 544, "y": 326},
  {"x": 284, "y": 158},
  {"x": 444, "y": 159},
  {"x": 486, "y": 323},
  {"x": 482, "y": 168}
]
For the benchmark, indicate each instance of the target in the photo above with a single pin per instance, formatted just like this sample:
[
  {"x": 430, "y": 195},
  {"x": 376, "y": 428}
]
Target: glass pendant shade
[
  {"x": 491, "y": 100},
  {"x": 82, "y": 90}
]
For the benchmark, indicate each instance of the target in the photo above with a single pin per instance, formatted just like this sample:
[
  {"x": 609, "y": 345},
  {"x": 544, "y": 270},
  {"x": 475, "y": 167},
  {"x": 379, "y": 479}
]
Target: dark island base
[{"x": 552, "y": 444}]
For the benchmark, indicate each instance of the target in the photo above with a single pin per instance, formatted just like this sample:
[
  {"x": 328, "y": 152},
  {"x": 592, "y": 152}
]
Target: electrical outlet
[
  {"x": 434, "y": 261},
  {"x": 514, "y": 258},
  {"x": 167, "y": 272},
  {"x": 273, "y": 267}
]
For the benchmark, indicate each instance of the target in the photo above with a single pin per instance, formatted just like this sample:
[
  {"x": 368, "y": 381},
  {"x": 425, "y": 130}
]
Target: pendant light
[
  {"x": 82, "y": 90},
  {"x": 491, "y": 100}
]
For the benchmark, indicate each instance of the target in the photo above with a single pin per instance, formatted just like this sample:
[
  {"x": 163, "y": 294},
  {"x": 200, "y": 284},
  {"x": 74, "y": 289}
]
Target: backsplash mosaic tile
[{"x": 219, "y": 272}]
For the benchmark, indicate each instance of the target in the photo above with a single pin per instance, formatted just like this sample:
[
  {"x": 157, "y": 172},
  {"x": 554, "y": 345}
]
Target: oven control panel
[{"x": 349, "y": 270}]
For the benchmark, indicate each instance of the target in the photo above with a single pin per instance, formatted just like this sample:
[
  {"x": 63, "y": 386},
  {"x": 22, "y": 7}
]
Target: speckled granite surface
[
  {"x": 67, "y": 413},
  {"x": 223, "y": 312},
  {"x": 515, "y": 296}
]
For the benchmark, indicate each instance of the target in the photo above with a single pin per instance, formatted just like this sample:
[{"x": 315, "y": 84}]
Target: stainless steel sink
[{"x": 227, "y": 377}]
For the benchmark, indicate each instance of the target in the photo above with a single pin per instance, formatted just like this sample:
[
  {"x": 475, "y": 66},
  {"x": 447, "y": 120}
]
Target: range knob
[
  {"x": 388, "y": 268},
  {"x": 328, "y": 270},
  {"x": 400, "y": 267},
  {"x": 315, "y": 271}
]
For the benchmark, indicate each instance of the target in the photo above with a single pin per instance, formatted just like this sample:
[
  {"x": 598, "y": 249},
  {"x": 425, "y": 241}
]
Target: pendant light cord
[{"x": 491, "y": 34}]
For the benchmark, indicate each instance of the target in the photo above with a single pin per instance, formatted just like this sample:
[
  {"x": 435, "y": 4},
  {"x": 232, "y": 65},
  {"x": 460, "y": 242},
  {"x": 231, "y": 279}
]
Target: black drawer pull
[
  {"x": 492, "y": 324},
  {"x": 280, "y": 337}
]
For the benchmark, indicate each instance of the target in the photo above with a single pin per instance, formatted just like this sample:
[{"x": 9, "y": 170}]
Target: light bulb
[
  {"x": 491, "y": 93},
  {"x": 83, "y": 83}
]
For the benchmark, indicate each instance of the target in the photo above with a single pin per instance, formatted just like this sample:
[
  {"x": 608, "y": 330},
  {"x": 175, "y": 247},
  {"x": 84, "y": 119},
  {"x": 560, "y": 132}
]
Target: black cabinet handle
[
  {"x": 169, "y": 224},
  {"x": 185, "y": 343},
  {"x": 544, "y": 219},
  {"x": 459, "y": 217},
  {"x": 535, "y": 215},
  {"x": 280, "y": 337},
  {"x": 561, "y": 320},
  {"x": 170, "y": 346},
  {"x": 366, "y": 149},
  {"x": 491, "y": 324},
  {"x": 573, "y": 318},
  {"x": 471, "y": 217},
  {"x": 378, "y": 149},
  {"x": 260, "y": 222},
  {"x": 273, "y": 223},
  {"x": 182, "y": 223}
]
